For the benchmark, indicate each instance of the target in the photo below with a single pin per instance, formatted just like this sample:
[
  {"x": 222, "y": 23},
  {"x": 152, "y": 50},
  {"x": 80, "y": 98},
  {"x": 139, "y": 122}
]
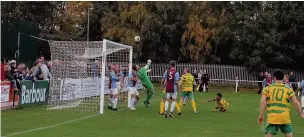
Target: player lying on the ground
[
  {"x": 222, "y": 104},
  {"x": 172, "y": 86},
  {"x": 141, "y": 73},
  {"x": 132, "y": 89},
  {"x": 186, "y": 84},
  {"x": 276, "y": 98}
]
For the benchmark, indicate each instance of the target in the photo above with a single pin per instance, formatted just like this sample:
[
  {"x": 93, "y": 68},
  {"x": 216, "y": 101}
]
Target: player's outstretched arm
[
  {"x": 148, "y": 64},
  {"x": 297, "y": 106}
]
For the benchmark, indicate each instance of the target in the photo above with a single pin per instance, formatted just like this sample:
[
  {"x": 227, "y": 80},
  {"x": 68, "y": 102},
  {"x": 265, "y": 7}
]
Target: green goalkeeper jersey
[{"x": 142, "y": 75}]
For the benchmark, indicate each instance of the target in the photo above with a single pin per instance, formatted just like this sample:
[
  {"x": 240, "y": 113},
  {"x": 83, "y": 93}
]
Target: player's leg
[
  {"x": 185, "y": 101},
  {"x": 115, "y": 98},
  {"x": 162, "y": 103},
  {"x": 182, "y": 99},
  {"x": 190, "y": 96},
  {"x": 302, "y": 103},
  {"x": 271, "y": 129},
  {"x": 133, "y": 98},
  {"x": 286, "y": 129},
  {"x": 167, "y": 104},
  {"x": 173, "y": 102},
  {"x": 178, "y": 109},
  {"x": 150, "y": 91},
  {"x": 110, "y": 102}
]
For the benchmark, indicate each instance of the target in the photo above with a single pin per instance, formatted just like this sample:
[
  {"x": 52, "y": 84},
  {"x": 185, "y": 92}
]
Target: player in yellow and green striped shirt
[
  {"x": 186, "y": 83},
  {"x": 276, "y": 98}
]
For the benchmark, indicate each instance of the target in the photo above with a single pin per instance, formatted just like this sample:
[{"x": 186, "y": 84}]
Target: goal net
[{"x": 80, "y": 74}]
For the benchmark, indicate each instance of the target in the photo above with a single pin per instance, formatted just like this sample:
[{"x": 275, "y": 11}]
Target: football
[{"x": 136, "y": 38}]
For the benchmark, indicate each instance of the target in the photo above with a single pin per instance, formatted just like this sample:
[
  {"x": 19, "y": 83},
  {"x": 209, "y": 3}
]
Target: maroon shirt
[{"x": 170, "y": 80}]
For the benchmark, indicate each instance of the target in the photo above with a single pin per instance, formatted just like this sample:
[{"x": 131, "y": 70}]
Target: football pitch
[{"x": 239, "y": 121}]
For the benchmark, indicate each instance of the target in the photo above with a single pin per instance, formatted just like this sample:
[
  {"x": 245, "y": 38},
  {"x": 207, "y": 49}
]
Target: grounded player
[
  {"x": 276, "y": 98},
  {"x": 186, "y": 83},
  {"x": 222, "y": 104},
  {"x": 132, "y": 89},
  {"x": 141, "y": 73},
  {"x": 114, "y": 78},
  {"x": 171, "y": 77}
]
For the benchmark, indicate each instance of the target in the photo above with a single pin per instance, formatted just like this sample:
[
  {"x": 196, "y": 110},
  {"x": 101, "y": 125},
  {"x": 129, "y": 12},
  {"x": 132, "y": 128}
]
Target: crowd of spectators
[
  {"x": 289, "y": 81},
  {"x": 40, "y": 70}
]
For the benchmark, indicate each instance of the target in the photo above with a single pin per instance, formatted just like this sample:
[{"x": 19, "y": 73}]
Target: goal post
[{"x": 80, "y": 74}]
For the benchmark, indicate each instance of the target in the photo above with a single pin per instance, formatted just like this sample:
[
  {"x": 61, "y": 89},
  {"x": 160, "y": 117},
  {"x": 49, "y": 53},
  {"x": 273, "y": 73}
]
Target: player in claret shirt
[{"x": 172, "y": 85}]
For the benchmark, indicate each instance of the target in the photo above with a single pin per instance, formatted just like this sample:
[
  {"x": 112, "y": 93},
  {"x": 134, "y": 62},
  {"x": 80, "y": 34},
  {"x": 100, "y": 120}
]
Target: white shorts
[
  {"x": 302, "y": 101},
  {"x": 133, "y": 90},
  {"x": 118, "y": 85},
  {"x": 171, "y": 95},
  {"x": 114, "y": 91},
  {"x": 107, "y": 92},
  {"x": 123, "y": 90}
]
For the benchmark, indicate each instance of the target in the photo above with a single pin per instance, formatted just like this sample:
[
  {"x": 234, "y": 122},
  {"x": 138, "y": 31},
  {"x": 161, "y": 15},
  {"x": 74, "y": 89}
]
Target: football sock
[
  {"x": 109, "y": 101},
  {"x": 180, "y": 104},
  {"x": 177, "y": 107},
  {"x": 166, "y": 106},
  {"x": 193, "y": 105},
  {"x": 115, "y": 102},
  {"x": 172, "y": 106},
  {"x": 161, "y": 107},
  {"x": 132, "y": 102}
]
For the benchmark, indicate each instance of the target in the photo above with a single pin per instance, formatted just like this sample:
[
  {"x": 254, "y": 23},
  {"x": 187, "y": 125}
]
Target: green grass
[{"x": 239, "y": 121}]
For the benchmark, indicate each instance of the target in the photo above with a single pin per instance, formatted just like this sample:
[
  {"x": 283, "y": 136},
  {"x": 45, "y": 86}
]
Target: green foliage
[{"x": 254, "y": 34}]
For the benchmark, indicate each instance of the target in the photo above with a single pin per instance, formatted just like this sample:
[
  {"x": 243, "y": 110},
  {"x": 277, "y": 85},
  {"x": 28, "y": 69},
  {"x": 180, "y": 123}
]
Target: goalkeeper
[{"x": 142, "y": 75}]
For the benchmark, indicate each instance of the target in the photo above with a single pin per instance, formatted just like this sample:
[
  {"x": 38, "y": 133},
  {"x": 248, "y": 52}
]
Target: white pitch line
[
  {"x": 58, "y": 124},
  {"x": 50, "y": 126}
]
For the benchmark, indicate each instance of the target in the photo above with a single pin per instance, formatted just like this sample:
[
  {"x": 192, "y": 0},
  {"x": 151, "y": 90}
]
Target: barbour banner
[{"x": 33, "y": 92}]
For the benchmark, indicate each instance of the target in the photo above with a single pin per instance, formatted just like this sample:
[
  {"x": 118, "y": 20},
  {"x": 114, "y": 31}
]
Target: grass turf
[{"x": 239, "y": 121}]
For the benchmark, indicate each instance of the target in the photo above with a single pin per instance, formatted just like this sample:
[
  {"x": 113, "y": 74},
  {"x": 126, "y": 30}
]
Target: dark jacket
[
  {"x": 205, "y": 77},
  {"x": 9, "y": 76}
]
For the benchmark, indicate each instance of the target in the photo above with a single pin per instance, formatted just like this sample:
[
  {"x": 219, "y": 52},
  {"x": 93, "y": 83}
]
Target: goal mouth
[{"x": 80, "y": 75}]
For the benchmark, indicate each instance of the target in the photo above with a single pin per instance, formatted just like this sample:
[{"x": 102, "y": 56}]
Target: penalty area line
[{"x": 50, "y": 126}]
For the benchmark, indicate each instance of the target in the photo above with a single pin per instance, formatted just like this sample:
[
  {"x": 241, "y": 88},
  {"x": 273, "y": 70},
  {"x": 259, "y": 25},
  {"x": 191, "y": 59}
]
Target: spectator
[
  {"x": 292, "y": 79},
  {"x": 44, "y": 69},
  {"x": 261, "y": 78},
  {"x": 37, "y": 73},
  {"x": 10, "y": 77},
  {"x": 199, "y": 75},
  {"x": 13, "y": 67},
  {"x": 268, "y": 81},
  {"x": 286, "y": 81},
  {"x": 195, "y": 75},
  {"x": 204, "y": 81},
  {"x": 28, "y": 75}
]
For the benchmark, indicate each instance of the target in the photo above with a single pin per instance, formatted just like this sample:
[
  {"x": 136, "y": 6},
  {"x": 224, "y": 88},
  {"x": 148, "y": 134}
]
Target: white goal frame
[{"x": 103, "y": 70}]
